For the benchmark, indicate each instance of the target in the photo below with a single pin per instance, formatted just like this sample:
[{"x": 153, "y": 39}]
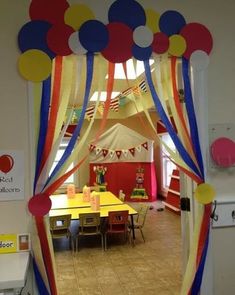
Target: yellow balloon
[
  {"x": 35, "y": 65},
  {"x": 177, "y": 45},
  {"x": 204, "y": 193},
  {"x": 152, "y": 20},
  {"x": 77, "y": 14}
]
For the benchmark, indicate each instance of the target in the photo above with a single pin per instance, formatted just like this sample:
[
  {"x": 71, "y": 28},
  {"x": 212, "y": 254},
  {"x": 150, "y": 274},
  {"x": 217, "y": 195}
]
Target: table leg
[{"x": 132, "y": 227}]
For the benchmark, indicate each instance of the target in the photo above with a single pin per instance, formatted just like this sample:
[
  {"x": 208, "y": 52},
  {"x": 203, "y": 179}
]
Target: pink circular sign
[{"x": 223, "y": 152}]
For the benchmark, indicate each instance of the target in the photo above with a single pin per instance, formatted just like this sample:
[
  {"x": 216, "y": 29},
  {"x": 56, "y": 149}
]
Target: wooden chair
[
  {"x": 140, "y": 219},
  {"x": 89, "y": 225},
  {"x": 60, "y": 228},
  {"x": 117, "y": 224}
]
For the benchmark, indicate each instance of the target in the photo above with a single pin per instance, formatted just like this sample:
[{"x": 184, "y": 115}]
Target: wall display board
[
  {"x": 11, "y": 175},
  {"x": 11, "y": 243}
]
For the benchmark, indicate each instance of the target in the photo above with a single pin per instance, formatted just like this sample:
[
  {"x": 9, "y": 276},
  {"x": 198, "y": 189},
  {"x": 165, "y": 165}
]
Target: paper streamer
[
  {"x": 174, "y": 157},
  {"x": 46, "y": 253},
  {"x": 82, "y": 141},
  {"x": 39, "y": 280},
  {"x": 196, "y": 286},
  {"x": 178, "y": 115},
  {"x": 54, "y": 109},
  {"x": 76, "y": 133},
  {"x": 191, "y": 115},
  {"x": 44, "y": 113},
  {"x": 191, "y": 265},
  {"x": 183, "y": 153}
]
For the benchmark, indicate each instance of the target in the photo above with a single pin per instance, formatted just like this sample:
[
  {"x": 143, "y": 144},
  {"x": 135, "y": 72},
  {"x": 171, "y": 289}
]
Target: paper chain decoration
[{"x": 59, "y": 29}]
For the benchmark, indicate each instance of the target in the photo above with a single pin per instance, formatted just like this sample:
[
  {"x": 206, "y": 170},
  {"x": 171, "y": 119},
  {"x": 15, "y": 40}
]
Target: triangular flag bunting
[
  {"x": 97, "y": 150},
  {"x": 105, "y": 152},
  {"x": 91, "y": 148},
  {"x": 145, "y": 145},
  {"x": 111, "y": 153},
  {"x": 138, "y": 148},
  {"x": 125, "y": 152},
  {"x": 132, "y": 151},
  {"x": 118, "y": 153}
]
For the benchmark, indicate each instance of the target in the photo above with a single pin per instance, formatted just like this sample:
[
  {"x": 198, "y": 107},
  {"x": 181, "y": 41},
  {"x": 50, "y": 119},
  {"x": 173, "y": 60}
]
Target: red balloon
[
  {"x": 39, "y": 205},
  {"x": 160, "y": 43},
  {"x": 51, "y": 11},
  {"x": 197, "y": 37},
  {"x": 119, "y": 48},
  {"x": 6, "y": 163},
  {"x": 57, "y": 39}
]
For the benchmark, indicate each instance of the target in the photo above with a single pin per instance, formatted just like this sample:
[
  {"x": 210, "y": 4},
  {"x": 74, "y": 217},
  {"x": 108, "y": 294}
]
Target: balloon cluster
[{"x": 57, "y": 28}]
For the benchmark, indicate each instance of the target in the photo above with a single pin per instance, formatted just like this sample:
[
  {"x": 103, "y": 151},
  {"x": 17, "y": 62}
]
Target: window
[
  {"x": 167, "y": 164},
  {"x": 58, "y": 156}
]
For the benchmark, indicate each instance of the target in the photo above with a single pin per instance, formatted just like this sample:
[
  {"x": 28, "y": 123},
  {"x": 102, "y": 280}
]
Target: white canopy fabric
[{"x": 121, "y": 144}]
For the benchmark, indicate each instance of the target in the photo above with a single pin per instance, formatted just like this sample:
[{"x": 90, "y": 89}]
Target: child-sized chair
[{"x": 117, "y": 224}]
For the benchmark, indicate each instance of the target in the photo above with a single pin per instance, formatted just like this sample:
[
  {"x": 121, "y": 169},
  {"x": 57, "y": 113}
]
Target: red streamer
[
  {"x": 46, "y": 253},
  {"x": 54, "y": 110}
]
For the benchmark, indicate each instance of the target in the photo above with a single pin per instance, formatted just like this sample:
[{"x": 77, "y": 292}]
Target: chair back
[
  {"x": 142, "y": 213},
  {"x": 118, "y": 221},
  {"x": 89, "y": 223},
  {"x": 60, "y": 223}
]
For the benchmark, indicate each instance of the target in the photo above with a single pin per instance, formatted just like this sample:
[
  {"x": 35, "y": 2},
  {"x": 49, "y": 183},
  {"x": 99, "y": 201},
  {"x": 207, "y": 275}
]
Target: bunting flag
[
  {"x": 92, "y": 147},
  {"x": 142, "y": 86},
  {"x": 114, "y": 104},
  {"x": 118, "y": 153},
  {"x": 90, "y": 112},
  {"x": 132, "y": 151},
  {"x": 127, "y": 92},
  {"x": 145, "y": 145},
  {"x": 101, "y": 108},
  {"x": 105, "y": 151}
]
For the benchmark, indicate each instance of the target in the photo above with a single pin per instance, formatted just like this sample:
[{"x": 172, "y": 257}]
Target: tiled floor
[{"x": 153, "y": 267}]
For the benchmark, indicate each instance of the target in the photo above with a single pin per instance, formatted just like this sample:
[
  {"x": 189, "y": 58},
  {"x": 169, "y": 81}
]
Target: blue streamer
[
  {"x": 44, "y": 113},
  {"x": 76, "y": 133},
  {"x": 191, "y": 115},
  {"x": 196, "y": 286},
  {"x": 42, "y": 289},
  {"x": 179, "y": 146}
]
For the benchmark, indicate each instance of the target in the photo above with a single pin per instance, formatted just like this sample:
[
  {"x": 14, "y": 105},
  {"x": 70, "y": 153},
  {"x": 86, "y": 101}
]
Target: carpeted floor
[{"x": 153, "y": 267}]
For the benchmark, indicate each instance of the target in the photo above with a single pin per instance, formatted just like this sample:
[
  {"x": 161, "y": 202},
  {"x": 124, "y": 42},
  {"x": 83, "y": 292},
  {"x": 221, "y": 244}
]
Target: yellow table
[
  {"x": 104, "y": 212},
  {"x": 64, "y": 202}
]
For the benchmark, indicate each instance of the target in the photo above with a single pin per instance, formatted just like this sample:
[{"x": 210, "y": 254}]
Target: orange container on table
[
  {"x": 71, "y": 190},
  {"x": 95, "y": 201},
  {"x": 86, "y": 193}
]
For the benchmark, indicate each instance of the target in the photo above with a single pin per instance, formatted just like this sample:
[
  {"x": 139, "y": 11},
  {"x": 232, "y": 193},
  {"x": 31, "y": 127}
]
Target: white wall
[
  {"x": 14, "y": 128},
  {"x": 216, "y": 15}
]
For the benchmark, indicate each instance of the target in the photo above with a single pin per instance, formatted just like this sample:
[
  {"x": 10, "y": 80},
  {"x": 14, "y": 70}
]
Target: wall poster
[{"x": 11, "y": 175}]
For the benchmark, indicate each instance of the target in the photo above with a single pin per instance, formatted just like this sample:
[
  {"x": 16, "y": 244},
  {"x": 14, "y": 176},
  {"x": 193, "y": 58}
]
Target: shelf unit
[{"x": 172, "y": 201}]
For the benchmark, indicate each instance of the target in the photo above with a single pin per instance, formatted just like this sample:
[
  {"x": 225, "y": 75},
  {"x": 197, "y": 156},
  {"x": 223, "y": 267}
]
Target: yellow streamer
[
  {"x": 191, "y": 265},
  {"x": 82, "y": 140},
  {"x": 179, "y": 126}
]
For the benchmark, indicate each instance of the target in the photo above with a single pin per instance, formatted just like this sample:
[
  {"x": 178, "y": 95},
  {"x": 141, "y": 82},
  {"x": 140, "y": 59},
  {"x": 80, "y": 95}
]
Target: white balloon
[
  {"x": 199, "y": 60},
  {"x": 143, "y": 36},
  {"x": 75, "y": 45}
]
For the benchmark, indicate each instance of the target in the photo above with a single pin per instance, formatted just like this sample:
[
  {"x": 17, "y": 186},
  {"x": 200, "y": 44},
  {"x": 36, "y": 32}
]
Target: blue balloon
[
  {"x": 171, "y": 22},
  {"x": 141, "y": 53},
  {"x": 93, "y": 36},
  {"x": 33, "y": 35},
  {"x": 129, "y": 12}
]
